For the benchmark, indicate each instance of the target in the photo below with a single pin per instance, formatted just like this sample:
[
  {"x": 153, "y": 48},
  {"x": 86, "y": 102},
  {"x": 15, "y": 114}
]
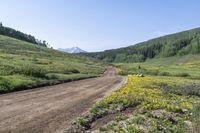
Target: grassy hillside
[
  {"x": 183, "y": 43},
  {"x": 24, "y": 65},
  {"x": 179, "y": 66},
  {"x": 7, "y": 31}
]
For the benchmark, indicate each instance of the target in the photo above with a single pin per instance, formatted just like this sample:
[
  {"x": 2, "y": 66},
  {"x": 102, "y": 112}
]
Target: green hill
[
  {"x": 25, "y": 65},
  {"x": 183, "y": 43},
  {"x": 7, "y": 31}
]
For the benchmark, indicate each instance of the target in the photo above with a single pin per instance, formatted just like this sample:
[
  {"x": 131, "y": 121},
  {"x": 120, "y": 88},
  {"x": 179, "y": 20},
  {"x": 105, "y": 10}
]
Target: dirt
[
  {"x": 51, "y": 109},
  {"x": 110, "y": 117}
]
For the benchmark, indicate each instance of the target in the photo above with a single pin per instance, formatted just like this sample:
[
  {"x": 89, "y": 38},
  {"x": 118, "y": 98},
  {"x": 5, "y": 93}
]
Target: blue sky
[{"x": 96, "y": 25}]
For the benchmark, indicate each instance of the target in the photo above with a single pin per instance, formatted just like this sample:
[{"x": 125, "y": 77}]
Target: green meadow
[
  {"x": 178, "y": 66},
  {"x": 24, "y": 65}
]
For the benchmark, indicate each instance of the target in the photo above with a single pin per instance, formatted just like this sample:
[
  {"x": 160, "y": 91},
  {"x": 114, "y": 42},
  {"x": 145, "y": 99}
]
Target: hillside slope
[
  {"x": 7, "y": 31},
  {"x": 25, "y": 65},
  {"x": 183, "y": 43}
]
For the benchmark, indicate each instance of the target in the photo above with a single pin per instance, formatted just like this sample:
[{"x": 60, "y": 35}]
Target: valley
[{"x": 149, "y": 87}]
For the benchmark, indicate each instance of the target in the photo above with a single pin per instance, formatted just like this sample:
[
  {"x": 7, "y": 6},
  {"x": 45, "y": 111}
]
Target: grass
[
  {"x": 178, "y": 66},
  {"x": 18, "y": 82},
  {"x": 155, "y": 109},
  {"x": 24, "y": 65}
]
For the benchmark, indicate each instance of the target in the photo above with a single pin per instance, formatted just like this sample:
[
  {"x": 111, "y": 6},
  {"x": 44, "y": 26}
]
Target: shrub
[
  {"x": 138, "y": 119},
  {"x": 52, "y": 76},
  {"x": 123, "y": 72},
  {"x": 67, "y": 77},
  {"x": 164, "y": 74},
  {"x": 182, "y": 75},
  {"x": 70, "y": 71},
  {"x": 121, "y": 117},
  {"x": 17, "y": 82},
  {"x": 74, "y": 71},
  {"x": 181, "y": 89},
  {"x": 4, "y": 84},
  {"x": 84, "y": 122}
]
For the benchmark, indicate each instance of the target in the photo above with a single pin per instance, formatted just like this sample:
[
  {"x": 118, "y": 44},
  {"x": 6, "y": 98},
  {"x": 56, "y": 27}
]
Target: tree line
[
  {"x": 21, "y": 36},
  {"x": 183, "y": 43}
]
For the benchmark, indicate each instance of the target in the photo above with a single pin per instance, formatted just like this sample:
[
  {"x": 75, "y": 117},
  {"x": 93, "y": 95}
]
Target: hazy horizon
[{"x": 99, "y": 25}]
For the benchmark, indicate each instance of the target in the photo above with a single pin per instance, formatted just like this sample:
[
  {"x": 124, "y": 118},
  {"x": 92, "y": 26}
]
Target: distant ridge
[
  {"x": 74, "y": 50},
  {"x": 178, "y": 44}
]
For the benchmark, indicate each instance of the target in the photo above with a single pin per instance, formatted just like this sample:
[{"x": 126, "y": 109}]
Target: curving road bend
[{"x": 51, "y": 109}]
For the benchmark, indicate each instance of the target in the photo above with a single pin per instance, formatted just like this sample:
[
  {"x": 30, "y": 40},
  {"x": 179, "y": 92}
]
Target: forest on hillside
[
  {"x": 183, "y": 43},
  {"x": 6, "y": 31}
]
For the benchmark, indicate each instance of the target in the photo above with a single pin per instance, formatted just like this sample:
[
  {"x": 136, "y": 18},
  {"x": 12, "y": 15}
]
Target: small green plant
[
  {"x": 121, "y": 117},
  {"x": 138, "y": 119},
  {"x": 84, "y": 123},
  {"x": 132, "y": 129}
]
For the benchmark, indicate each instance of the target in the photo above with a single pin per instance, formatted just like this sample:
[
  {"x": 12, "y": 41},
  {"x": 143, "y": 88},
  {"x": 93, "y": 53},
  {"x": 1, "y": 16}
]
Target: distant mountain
[{"x": 74, "y": 50}]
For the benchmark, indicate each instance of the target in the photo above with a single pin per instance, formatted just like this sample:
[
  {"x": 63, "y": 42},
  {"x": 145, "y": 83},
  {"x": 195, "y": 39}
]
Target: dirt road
[{"x": 51, "y": 109}]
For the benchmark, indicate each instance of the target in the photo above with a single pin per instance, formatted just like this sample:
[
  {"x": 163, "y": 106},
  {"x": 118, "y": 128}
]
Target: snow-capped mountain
[{"x": 74, "y": 50}]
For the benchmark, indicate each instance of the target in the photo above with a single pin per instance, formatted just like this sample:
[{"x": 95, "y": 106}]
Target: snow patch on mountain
[{"x": 73, "y": 50}]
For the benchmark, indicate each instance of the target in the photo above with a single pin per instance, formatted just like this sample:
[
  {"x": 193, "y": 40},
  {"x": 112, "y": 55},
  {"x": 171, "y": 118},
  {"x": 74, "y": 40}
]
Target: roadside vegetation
[
  {"x": 155, "y": 104},
  {"x": 25, "y": 65},
  {"x": 187, "y": 66}
]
